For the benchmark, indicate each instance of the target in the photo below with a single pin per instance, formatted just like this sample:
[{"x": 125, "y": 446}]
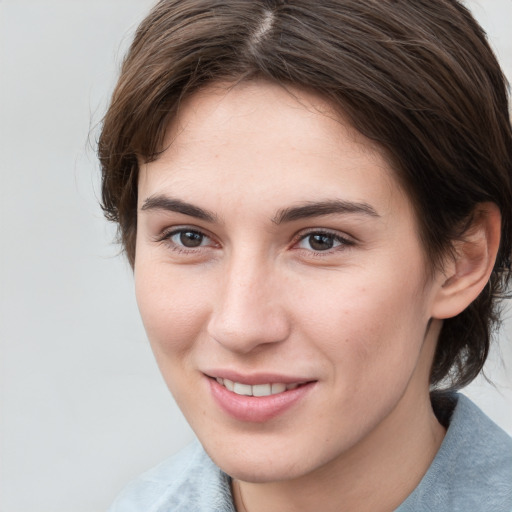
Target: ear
[{"x": 466, "y": 274}]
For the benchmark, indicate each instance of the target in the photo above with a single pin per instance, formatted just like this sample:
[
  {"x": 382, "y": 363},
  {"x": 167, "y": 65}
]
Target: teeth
[
  {"x": 278, "y": 388},
  {"x": 257, "y": 389},
  {"x": 262, "y": 390},
  {"x": 242, "y": 389}
]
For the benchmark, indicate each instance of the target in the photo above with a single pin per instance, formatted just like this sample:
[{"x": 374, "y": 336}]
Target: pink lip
[
  {"x": 255, "y": 378},
  {"x": 257, "y": 409}
]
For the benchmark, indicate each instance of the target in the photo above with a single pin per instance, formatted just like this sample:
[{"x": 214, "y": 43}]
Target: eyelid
[
  {"x": 344, "y": 239},
  {"x": 166, "y": 234}
]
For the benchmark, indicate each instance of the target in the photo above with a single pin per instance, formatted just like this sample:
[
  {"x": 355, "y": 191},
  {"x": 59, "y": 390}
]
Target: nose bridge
[{"x": 248, "y": 312}]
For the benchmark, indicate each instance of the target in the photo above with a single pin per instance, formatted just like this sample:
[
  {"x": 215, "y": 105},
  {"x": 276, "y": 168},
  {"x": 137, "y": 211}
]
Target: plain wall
[{"x": 83, "y": 407}]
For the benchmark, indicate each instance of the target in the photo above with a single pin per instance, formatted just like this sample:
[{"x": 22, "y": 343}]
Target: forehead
[{"x": 260, "y": 138}]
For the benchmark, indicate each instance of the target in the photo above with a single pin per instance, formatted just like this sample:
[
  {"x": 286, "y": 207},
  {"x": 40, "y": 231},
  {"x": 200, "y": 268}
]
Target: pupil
[
  {"x": 191, "y": 239},
  {"x": 321, "y": 242}
]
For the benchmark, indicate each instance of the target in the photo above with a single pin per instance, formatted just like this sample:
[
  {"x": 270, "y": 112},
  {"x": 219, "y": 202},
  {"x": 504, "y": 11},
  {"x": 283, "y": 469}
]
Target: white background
[{"x": 83, "y": 408}]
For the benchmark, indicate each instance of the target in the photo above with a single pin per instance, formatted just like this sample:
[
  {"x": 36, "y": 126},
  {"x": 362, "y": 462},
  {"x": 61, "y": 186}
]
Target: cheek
[
  {"x": 173, "y": 314},
  {"x": 369, "y": 328}
]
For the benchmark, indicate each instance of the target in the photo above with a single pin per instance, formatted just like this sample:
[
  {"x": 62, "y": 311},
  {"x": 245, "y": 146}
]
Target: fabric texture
[{"x": 472, "y": 472}]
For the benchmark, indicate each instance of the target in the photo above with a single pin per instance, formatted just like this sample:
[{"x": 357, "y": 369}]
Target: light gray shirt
[{"x": 472, "y": 472}]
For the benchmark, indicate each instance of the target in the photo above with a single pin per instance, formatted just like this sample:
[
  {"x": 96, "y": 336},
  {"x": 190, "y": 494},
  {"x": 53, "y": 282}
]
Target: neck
[{"x": 377, "y": 474}]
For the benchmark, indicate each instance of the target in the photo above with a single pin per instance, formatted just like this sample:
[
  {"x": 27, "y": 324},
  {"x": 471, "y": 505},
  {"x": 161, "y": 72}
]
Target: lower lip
[{"x": 257, "y": 409}]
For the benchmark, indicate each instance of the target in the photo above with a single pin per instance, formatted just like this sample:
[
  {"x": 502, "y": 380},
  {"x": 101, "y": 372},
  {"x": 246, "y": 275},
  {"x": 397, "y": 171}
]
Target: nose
[{"x": 249, "y": 312}]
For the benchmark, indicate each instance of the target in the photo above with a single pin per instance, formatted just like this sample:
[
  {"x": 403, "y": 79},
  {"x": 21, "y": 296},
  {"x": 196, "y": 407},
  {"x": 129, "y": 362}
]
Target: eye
[
  {"x": 185, "y": 239},
  {"x": 322, "y": 241},
  {"x": 188, "y": 238}
]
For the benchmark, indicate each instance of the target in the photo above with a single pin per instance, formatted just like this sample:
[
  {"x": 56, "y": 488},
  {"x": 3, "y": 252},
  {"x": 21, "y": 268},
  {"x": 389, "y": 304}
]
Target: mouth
[
  {"x": 258, "y": 390},
  {"x": 259, "y": 398}
]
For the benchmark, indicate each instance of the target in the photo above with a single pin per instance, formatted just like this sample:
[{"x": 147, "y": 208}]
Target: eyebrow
[
  {"x": 317, "y": 209},
  {"x": 304, "y": 211},
  {"x": 170, "y": 204}
]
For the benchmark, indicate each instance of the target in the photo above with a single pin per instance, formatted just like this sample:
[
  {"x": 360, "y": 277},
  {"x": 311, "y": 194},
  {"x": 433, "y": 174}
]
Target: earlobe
[{"x": 467, "y": 273}]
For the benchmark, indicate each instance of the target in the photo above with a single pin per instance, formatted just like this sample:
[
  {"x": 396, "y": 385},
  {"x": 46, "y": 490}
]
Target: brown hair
[{"x": 416, "y": 76}]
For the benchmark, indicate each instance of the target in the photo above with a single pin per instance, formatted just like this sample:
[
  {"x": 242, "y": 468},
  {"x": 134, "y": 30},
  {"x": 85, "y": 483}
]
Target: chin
[
  {"x": 265, "y": 460},
  {"x": 260, "y": 471}
]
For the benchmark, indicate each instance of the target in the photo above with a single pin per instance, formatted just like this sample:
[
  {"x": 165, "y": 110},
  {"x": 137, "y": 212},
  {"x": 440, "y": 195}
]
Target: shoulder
[
  {"x": 187, "y": 481},
  {"x": 473, "y": 468}
]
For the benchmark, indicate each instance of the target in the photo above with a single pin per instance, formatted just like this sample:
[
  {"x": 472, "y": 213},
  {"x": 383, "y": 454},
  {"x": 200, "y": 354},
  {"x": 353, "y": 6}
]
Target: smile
[
  {"x": 259, "y": 401},
  {"x": 256, "y": 389}
]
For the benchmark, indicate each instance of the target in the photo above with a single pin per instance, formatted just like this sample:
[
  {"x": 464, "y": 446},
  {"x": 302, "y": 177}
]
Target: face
[{"x": 281, "y": 282}]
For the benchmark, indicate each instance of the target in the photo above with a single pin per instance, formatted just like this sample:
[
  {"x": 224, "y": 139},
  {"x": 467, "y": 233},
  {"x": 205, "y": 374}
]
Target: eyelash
[
  {"x": 344, "y": 243},
  {"x": 166, "y": 237}
]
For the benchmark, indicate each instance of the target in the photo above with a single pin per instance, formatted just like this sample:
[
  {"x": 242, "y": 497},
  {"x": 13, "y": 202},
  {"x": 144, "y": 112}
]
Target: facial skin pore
[{"x": 274, "y": 242}]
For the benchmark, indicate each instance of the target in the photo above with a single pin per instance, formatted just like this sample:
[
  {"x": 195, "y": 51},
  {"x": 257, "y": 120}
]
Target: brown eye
[
  {"x": 321, "y": 242},
  {"x": 190, "y": 239}
]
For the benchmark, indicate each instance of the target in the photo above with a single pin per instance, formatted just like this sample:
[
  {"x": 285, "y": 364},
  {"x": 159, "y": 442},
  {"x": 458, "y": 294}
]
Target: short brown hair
[{"x": 416, "y": 76}]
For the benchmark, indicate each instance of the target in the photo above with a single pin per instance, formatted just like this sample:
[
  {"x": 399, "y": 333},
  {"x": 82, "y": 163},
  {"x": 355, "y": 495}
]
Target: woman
[{"x": 315, "y": 198}]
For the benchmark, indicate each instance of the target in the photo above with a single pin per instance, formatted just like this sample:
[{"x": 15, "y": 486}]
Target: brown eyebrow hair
[
  {"x": 303, "y": 211},
  {"x": 160, "y": 202},
  {"x": 315, "y": 209}
]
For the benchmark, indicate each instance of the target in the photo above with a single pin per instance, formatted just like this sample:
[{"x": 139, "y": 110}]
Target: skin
[{"x": 361, "y": 319}]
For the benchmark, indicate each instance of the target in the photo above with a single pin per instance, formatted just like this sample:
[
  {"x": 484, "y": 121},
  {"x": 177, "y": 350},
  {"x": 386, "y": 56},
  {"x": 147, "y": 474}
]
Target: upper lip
[{"x": 256, "y": 378}]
